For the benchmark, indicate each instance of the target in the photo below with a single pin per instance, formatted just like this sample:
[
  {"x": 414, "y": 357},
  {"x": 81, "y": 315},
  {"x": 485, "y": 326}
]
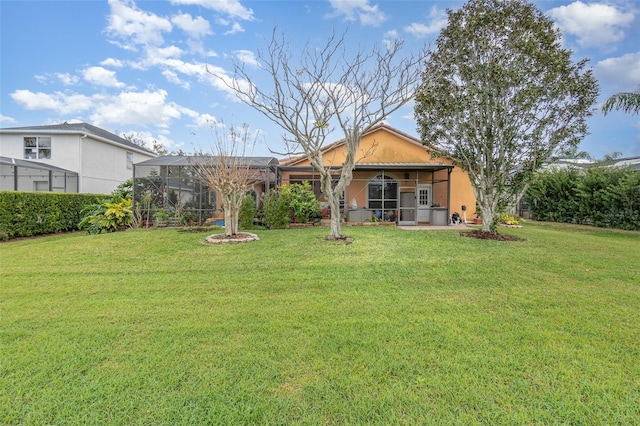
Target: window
[
  {"x": 382, "y": 194},
  {"x": 37, "y": 148},
  {"x": 129, "y": 160}
]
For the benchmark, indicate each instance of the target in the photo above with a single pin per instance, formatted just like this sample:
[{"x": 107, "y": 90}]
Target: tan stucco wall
[{"x": 384, "y": 146}]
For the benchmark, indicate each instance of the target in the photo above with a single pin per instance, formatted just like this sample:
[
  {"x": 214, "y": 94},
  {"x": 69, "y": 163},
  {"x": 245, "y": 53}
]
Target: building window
[
  {"x": 382, "y": 194},
  {"x": 129, "y": 160},
  {"x": 37, "y": 148}
]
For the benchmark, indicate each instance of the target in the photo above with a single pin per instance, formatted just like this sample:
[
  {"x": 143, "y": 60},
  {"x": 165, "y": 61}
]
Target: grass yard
[{"x": 400, "y": 327}]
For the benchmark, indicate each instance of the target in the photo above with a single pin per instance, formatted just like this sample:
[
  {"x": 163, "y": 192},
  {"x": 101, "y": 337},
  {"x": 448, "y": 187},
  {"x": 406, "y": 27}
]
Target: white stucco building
[{"x": 101, "y": 159}]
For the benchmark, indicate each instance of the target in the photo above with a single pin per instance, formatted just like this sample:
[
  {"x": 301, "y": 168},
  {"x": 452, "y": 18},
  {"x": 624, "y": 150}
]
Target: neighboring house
[
  {"x": 396, "y": 179},
  {"x": 101, "y": 159}
]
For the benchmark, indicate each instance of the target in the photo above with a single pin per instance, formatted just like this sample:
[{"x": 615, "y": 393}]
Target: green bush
[
  {"x": 276, "y": 210},
  {"x": 509, "y": 219},
  {"x": 247, "y": 212},
  {"x": 25, "y": 214},
  {"x": 599, "y": 196},
  {"x": 108, "y": 215},
  {"x": 302, "y": 201}
]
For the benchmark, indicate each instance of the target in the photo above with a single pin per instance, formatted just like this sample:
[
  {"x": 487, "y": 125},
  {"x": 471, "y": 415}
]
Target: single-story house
[
  {"x": 100, "y": 159},
  {"x": 395, "y": 179}
]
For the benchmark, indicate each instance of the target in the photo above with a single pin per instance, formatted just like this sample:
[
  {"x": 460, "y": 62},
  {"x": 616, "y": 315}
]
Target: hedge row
[
  {"x": 24, "y": 214},
  {"x": 600, "y": 196}
]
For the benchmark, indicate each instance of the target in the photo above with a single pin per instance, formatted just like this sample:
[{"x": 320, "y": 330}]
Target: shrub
[
  {"x": 302, "y": 201},
  {"x": 25, "y": 214},
  {"x": 599, "y": 196},
  {"x": 247, "y": 212},
  {"x": 108, "y": 215},
  {"x": 276, "y": 210},
  {"x": 509, "y": 219}
]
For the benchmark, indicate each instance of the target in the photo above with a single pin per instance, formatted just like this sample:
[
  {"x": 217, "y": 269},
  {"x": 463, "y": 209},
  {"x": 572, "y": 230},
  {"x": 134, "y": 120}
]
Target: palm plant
[{"x": 626, "y": 101}]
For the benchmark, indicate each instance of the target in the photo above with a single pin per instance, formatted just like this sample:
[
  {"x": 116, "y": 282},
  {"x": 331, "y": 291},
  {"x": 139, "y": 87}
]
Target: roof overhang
[
  {"x": 403, "y": 166},
  {"x": 377, "y": 166},
  {"x": 15, "y": 162}
]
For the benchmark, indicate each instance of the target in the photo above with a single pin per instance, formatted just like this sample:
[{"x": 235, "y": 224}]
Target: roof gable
[
  {"x": 79, "y": 128},
  {"x": 381, "y": 144}
]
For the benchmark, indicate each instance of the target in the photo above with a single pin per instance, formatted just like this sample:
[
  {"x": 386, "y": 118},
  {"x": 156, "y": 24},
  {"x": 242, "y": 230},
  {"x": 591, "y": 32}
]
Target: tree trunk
[
  {"x": 333, "y": 199},
  {"x": 334, "y": 204},
  {"x": 231, "y": 215}
]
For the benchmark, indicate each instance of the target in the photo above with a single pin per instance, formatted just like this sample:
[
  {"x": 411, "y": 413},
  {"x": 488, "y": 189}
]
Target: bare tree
[
  {"x": 227, "y": 171},
  {"x": 324, "y": 87}
]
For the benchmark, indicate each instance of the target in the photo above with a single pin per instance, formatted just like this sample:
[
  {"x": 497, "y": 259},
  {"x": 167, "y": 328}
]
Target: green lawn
[{"x": 401, "y": 327}]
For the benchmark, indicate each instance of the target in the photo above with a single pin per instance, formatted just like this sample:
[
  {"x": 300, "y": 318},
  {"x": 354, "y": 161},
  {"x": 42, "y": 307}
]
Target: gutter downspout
[{"x": 81, "y": 174}]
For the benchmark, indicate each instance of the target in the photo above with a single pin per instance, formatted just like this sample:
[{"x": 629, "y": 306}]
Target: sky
[{"x": 144, "y": 68}]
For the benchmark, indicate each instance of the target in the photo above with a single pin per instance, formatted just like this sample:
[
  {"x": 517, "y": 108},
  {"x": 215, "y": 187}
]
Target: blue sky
[{"x": 141, "y": 66}]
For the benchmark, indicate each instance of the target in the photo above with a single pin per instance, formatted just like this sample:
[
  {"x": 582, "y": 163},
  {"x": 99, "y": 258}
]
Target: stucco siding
[
  {"x": 386, "y": 146},
  {"x": 104, "y": 166}
]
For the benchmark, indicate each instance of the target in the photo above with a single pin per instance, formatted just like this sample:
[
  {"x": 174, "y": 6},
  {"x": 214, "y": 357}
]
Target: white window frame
[
  {"x": 129, "y": 160},
  {"x": 40, "y": 149}
]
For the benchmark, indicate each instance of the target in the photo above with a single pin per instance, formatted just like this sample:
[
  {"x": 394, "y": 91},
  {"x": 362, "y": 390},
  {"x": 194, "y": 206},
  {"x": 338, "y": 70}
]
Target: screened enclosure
[
  {"x": 25, "y": 175},
  {"x": 167, "y": 188}
]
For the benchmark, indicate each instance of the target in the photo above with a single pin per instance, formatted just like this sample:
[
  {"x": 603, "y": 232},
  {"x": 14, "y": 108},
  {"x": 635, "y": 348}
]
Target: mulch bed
[
  {"x": 487, "y": 235},
  {"x": 240, "y": 237}
]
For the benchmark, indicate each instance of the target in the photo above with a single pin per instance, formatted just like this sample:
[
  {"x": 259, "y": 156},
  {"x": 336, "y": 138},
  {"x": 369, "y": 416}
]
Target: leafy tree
[
  {"x": 500, "y": 96},
  {"x": 320, "y": 87},
  {"x": 625, "y": 101},
  {"x": 154, "y": 146}
]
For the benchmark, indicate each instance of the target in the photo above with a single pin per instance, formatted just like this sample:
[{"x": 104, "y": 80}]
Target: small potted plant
[{"x": 478, "y": 219}]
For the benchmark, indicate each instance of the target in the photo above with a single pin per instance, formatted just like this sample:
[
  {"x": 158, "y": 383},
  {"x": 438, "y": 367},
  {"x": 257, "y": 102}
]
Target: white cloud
[
  {"x": 622, "y": 72},
  {"x": 59, "y": 102},
  {"x": 6, "y": 119},
  {"x": 64, "y": 78},
  {"x": 247, "y": 57},
  {"x": 232, "y": 8},
  {"x": 205, "y": 120},
  {"x": 67, "y": 79},
  {"x": 147, "y": 108},
  {"x": 135, "y": 26},
  {"x": 136, "y": 108},
  {"x": 149, "y": 139},
  {"x": 195, "y": 27},
  {"x": 358, "y": 10},
  {"x": 101, "y": 77},
  {"x": 389, "y": 38},
  {"x": 172, "y": 77},
  {"x": 235, "y": 28},
  {"x": 437, "y": 20},
  {"x": 595, "y": 24},
  {"x": 112, "y": 62}
]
